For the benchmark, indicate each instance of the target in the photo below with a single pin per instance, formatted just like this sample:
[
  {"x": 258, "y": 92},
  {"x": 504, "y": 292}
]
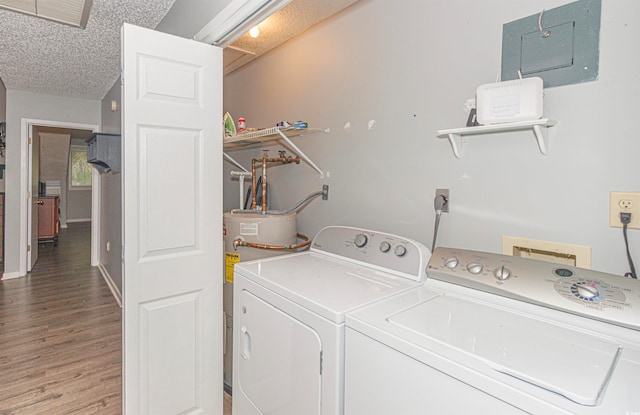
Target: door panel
[
  {"x": 172, "y": 224},
  {"x": 279, "y": 367}
]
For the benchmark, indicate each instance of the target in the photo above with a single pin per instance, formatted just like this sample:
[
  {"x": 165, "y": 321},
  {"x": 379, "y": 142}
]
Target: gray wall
[
  {"x": 110, "y": 198},
  {"x": 411, "y": 68},
  {"x": 28, "y": 105},
  {"x": 54, "y": 165},
  {"x": 187, "y": 17},
  {"x": 3, "y": 117},
  {"x": 78, "y": 205}
]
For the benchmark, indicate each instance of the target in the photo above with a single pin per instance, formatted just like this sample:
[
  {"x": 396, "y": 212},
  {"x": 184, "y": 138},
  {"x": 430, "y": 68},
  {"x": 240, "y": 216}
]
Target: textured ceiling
[
  {"x": 51, "y": 58},
  {"x": 286, "y": 23}
]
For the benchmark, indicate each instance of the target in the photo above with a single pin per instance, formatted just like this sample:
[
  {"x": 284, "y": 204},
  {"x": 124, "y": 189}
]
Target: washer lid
[
  {"x": 325, "y": 285},
  {"x": 575, "y": 364}
]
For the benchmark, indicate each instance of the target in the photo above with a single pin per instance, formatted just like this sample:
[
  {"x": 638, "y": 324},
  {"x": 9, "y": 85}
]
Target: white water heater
[{"x": 258, "y": 228}]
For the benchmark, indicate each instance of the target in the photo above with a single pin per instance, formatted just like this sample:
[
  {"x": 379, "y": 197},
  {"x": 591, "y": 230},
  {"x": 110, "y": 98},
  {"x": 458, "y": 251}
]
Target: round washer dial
[
  {"x": 400, "y": 250},
  {"x": 385, "y": 246},
  {"x": 361, "y": 240},
  {"x": 475, "y": 268}
]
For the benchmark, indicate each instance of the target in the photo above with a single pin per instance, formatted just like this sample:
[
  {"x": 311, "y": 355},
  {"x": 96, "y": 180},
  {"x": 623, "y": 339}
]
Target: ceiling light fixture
[
  {"x": 70, "y": 12},
  {"x": 254, "y": 32}
]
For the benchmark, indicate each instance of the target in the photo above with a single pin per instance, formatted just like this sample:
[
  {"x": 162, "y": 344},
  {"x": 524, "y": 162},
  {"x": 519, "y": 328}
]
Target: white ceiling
[{"x": 51, "y": 58}]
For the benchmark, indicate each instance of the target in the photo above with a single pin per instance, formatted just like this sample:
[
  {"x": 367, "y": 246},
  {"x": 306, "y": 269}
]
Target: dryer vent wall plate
[{"x": 510, "y": 101}]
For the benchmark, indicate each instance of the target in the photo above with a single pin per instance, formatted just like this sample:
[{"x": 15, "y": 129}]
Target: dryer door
[{"x": 279, "y": 359}]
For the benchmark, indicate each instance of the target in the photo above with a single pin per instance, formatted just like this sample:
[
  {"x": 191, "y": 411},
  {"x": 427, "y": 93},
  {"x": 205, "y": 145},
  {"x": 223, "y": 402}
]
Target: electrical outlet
[
  {"x": 627, "y": 202},
  {"x": 445, "y": 193}
]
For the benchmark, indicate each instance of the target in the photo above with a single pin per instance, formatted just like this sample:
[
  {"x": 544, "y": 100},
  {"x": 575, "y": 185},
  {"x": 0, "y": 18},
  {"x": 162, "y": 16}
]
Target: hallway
[{"x": 60, "y": 335}]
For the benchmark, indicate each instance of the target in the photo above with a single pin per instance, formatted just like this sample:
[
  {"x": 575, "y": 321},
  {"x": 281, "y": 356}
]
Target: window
[{"x": 79, "y": 169}]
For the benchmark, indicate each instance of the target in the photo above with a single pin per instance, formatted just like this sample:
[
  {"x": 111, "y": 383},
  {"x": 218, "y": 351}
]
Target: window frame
[{"x": 72, "y": 149}]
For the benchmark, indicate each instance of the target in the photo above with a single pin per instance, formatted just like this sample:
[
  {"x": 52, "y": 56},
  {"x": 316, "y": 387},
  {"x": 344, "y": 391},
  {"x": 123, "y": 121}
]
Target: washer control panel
[
  {"x": 606, "y": 297},
  {"x": 394, "y": 254}
]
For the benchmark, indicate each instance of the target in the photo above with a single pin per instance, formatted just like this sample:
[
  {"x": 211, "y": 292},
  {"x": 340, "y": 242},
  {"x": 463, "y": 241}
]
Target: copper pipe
[
  {"x": 307, "y": 241},
  {"x": 264, "y": 161},
  {"x": 264, "y": 182},
  {"x": 253, "y": 184}
]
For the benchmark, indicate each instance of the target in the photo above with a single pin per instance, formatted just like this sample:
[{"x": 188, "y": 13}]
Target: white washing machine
[
  {"x": 289, "y": 317},
  {"x": 494, "y": 334}
]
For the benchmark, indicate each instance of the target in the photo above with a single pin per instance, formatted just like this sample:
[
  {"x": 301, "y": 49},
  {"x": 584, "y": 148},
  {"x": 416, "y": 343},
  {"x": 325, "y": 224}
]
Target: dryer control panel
[
  {"x": 385, "y": 252},
  {"x": 606, "y": 297}
]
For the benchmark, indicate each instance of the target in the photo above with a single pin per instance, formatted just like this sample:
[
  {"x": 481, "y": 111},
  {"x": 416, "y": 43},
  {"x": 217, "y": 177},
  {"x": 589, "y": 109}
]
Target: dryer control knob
[
  {"x": 385, "y": 246},
  {"x": 502, "y": 273},
  {"x": 400, "y": 250},
  {"x": 451, "y": 263},
  {"x": 361, "y": 240},
  {"x": 474, "y": 268},
  {"x": 587, "y": 291}
]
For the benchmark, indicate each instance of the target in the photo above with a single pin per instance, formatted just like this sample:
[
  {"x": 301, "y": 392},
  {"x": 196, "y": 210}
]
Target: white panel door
[
  {"x": 172, "y": 224},
  {"x": 34, "y": 200}
]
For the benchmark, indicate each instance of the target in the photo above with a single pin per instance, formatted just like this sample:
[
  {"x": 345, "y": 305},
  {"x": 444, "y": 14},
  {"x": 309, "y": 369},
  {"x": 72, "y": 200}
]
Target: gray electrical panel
[
  {"x": 103, "y": 151},
  {"x": 559, "y": 45}
]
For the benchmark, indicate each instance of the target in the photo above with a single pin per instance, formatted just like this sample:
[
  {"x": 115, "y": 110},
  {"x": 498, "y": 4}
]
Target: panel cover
[{"x": 567, "y": 54}]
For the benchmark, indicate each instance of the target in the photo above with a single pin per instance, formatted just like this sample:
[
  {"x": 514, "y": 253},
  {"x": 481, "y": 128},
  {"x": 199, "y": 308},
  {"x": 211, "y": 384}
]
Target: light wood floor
[{"x": 60, "y": 335}]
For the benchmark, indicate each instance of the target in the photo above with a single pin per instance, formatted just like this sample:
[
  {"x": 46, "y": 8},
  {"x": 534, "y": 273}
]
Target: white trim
[
  {"x": 111, "y": 284},
  {"x": 236, "y": 19},
  {"x": 25, "y": 166},
  {"x": 79, "y": 220},
  {"x": 95, "y": 215},
  {"x": 10, "y": 275}
]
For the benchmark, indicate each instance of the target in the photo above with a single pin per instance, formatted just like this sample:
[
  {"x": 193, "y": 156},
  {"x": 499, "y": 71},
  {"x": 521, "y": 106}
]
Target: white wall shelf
[
  {"x": 250, "y": 138},
  {"x": 458, "y": 136}
]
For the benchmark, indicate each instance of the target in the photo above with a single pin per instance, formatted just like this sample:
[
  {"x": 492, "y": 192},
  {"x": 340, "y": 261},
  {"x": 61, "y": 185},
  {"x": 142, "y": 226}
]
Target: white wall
[
  {"x": 27, "y": 105},
  {"x": 410, "y": 66}
]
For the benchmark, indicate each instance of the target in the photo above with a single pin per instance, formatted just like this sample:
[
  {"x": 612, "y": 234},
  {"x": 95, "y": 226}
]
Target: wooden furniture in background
[{"x": 48, "y": 215}]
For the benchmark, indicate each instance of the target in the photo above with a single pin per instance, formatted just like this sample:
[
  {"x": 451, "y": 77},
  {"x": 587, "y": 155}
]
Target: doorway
[{"x": 31, "y": 132}]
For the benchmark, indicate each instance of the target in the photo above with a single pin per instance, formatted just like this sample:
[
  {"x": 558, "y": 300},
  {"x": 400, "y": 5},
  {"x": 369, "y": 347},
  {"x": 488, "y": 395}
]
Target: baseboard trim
[
  {"x": 10, "y": 275},
  {"x": 111, "y": 284}
]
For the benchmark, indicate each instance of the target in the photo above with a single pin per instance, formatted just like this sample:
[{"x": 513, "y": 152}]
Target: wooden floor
[{"x": 60, "y": 335}]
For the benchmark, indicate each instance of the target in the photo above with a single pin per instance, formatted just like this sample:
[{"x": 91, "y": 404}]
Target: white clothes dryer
[
  {"x": 489, "y": 333},
  {"x": 289, "y": 316}
]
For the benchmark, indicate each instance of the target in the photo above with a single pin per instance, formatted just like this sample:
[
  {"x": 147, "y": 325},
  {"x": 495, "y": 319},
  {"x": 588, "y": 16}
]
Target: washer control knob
[
  {"x": 474, "y": 268},
  {"x": 400, "y": 250},
  {"x": 587, "y": 290},
  {"x": 502, "y": 273},
  {"x": 385, "y": 246},
  {"x": 361, "y": 240},
  {"x": 451, "y": 263}
]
